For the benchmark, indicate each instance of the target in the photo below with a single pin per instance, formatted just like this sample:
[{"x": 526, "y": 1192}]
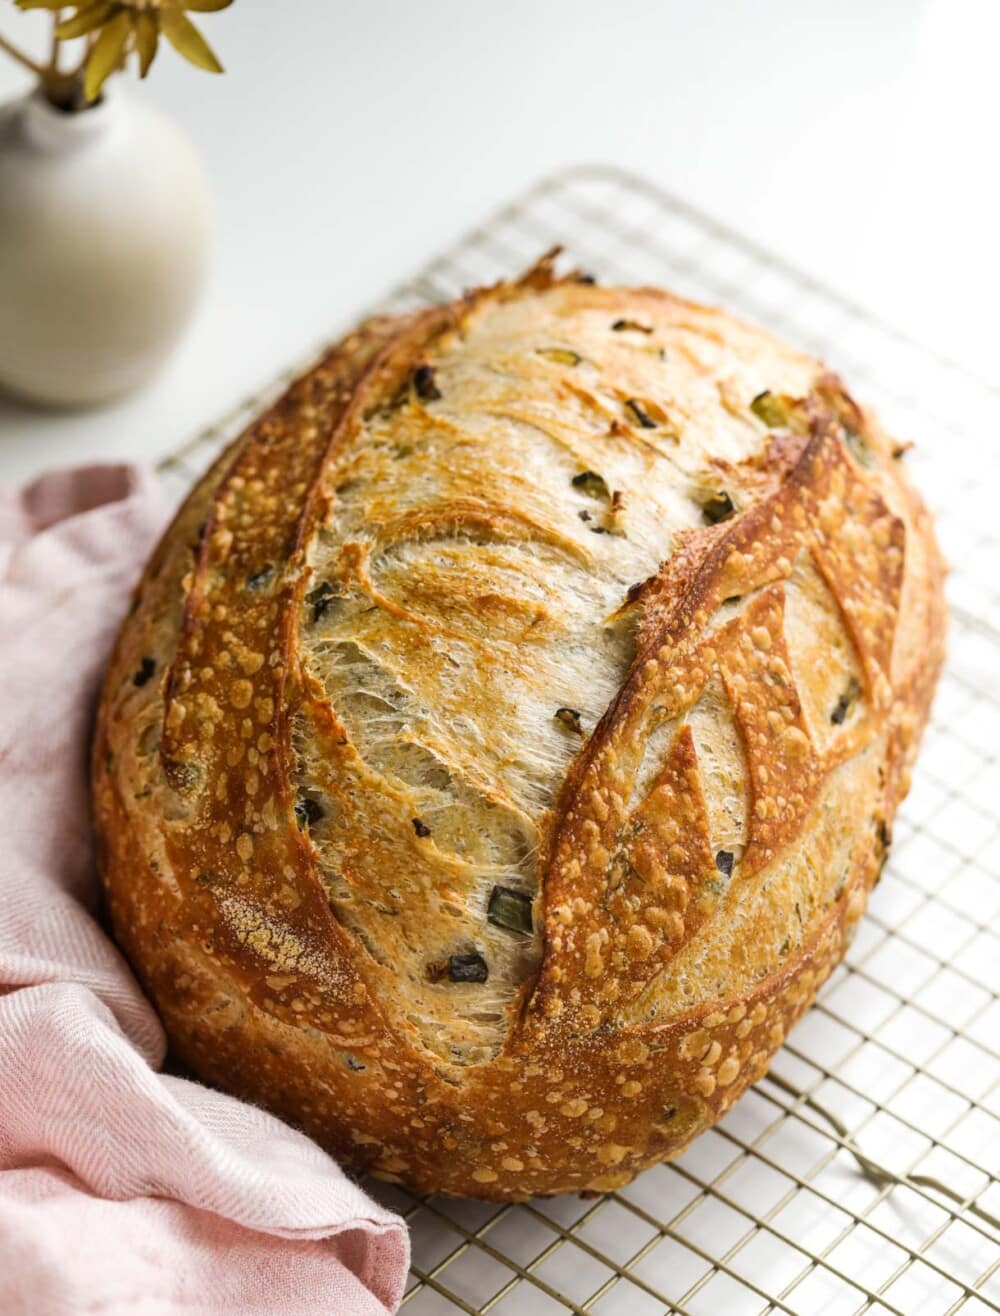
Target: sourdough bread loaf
[{"x": 507, "y": 732}]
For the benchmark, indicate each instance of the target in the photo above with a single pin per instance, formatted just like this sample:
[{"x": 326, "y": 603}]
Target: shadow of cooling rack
[{"x": 862, "y": 1174}]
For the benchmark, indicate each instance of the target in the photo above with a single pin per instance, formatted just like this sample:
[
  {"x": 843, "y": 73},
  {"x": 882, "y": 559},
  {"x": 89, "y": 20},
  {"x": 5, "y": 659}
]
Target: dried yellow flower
[{"x": 116, "y": 29}]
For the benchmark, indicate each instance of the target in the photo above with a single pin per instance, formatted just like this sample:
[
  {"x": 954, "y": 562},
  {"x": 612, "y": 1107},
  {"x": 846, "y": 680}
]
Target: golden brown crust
[{"x": 697, "y": 855}]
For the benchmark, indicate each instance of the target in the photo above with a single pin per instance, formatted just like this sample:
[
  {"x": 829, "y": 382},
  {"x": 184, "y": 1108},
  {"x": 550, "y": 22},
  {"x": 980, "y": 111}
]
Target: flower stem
[
  {"x": 55, "y": 48},
  {"x": 20, "y": 57},
  {"x": 88, "y": 43}
]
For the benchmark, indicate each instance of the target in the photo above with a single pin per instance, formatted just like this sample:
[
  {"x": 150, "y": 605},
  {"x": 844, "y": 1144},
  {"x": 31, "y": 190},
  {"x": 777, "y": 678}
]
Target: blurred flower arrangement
[
  {"x": 112, "y": 32},
  {"x": 105, "y": 207}
]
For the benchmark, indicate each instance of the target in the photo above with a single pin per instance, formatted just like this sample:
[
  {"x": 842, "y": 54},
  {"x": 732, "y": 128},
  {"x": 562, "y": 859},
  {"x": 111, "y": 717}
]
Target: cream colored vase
[{"x": 105, "y": 220}]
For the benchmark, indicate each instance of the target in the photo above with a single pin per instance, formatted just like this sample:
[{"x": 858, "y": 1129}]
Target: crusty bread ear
[{"x": 509, "y": 729}]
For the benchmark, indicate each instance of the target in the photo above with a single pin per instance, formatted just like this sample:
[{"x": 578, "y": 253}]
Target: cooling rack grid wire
[{"x": 863, "y": 1173}]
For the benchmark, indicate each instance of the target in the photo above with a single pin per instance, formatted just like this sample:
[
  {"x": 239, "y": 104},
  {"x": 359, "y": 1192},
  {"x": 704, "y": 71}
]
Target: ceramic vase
[{"x": 105, "y": 227}]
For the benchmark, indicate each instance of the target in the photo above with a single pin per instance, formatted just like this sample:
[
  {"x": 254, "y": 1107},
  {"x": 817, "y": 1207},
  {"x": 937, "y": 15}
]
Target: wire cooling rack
[{"x": 863, "y": 1173}]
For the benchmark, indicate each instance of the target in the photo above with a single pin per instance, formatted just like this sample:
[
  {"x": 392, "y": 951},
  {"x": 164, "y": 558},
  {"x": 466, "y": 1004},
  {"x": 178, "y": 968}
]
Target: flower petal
[
  {"x": 147, "y": 35},
  {"x": 188, "y": 41},
  {"x": 106, "y": 55},
  {"x": 86, "y": 18}
]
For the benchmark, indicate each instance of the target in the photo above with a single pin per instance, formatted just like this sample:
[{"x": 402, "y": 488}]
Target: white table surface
[{"x": 351, "y": 139}]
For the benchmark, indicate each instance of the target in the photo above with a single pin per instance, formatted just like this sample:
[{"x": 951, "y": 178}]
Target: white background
[{"x": 351, "y": 139}]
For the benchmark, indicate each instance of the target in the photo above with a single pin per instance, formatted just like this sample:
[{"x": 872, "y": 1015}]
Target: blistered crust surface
[{"x": 509, "y": 729}]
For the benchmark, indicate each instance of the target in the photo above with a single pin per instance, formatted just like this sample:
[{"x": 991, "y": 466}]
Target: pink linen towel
[{"x": 123, "y": 1189}]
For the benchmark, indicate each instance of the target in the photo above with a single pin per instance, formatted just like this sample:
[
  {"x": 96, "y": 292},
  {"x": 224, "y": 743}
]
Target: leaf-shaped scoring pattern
[{"x": 605, "y": 947}]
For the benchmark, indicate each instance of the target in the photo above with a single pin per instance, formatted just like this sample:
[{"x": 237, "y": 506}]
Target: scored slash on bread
[{"x": 508, "y": 731}]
